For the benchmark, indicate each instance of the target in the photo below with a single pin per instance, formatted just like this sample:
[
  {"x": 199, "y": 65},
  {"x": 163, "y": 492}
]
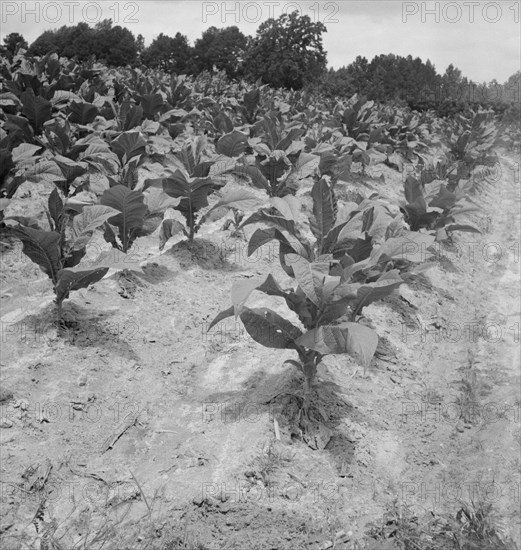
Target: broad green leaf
[
  {"x": 241, "y": 291},
  {"x": 263, "y": 236},
  {"x": 356, "y": 249},
  {"x": 19, "y": 124},
  {"x": 324, "y": 210},
  {"x": 173, "y": 115},
  {"x": 350, "y": 230},
  {"x": 354, "y": 339},
  {"x": 412, "y": 189},
  {"x": 69, "y": 280},
  {"x": 152, "y": 127},
  {"x": 63, "y": 96},
  {"x": 223, "y": 315},
  {"x": 193, "y": 193},
  {"x": 293, "y": 135},
  {"x": 168, "y": 229},
  {"x": 111, "y": 259},
  {"x": 202, "y": 170},
  {"x": 133, "y": 118},
  {"x": 332, "y": 238},
  {"x": 411, "y": 246},
  {"x": 271, "y": 220},
  {"x": 85, "y": 223},
  {"x": 269, "y": 329},
  {"x": 371, "y": 292},
  {"x": 128, "y": 145},
  {"x": 223, "y": 123},
  {"x": 231, "y": 198},
  {"x": 222, "y": 165},
  {"x": 306, "y": 279},
  {"x": 271, "y": 134},
  {"x": 237, "y": 198},
  {"x": 151, "y": 104},
  {"x": 132, "y": 212},
  {"x": 45, "y": 170},
  {"x": 55, "y": 205},
  {"x": 289, "y": 206},
  {"x": 257, "y": 177},
  {"x": 70, "y": 169},
  {"x": 190, "y": 154},
  {"x": 334, "y": 310},
  {"x": 97, "y": 146},
  {"x": 24, "y": 151},
  {"x": 251, "y": 100},
  {"x": 41, "y": 247},
  {"x": 8, "y": 99},
  {"x": 232, "y": 144},
  {"x": 445, "y": 199},
  {"x": 259, "y": 147},
  {"x": 158, "y": 202},
  {"x": 82, "y": 112},
  {"x": 306, "y": 165},
  {"x": 37, "y": 109}
]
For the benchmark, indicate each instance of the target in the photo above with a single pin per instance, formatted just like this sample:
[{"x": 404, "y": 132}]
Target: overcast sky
[{"x": 483, "y": 39}]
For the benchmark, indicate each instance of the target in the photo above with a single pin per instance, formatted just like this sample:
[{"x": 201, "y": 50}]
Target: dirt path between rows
[{"x": 133, "y": 428}]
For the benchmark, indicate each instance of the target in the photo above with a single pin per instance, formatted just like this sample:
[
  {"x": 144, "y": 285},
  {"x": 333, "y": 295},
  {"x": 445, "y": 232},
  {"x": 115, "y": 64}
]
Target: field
[{"x": 237, "y": 317}]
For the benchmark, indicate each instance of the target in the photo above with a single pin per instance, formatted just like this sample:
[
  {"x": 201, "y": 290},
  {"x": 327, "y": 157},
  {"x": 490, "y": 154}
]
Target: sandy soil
[{"x": 133, "y": 428}]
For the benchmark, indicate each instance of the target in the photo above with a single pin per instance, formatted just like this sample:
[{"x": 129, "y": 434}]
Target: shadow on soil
[{"x": 320, "y": 425}]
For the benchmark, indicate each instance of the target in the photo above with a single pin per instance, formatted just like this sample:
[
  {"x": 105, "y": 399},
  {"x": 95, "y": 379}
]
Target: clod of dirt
[
  {"x": 342, "y": 451},
  {"x": 5, "y": 395},
  {"x": 128, "y": 284}
]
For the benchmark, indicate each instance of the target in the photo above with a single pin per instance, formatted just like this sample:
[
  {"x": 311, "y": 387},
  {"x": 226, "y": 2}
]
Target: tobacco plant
[
  {"x": 278, "y": 162},
  {"x": 193, "y": 206},
  {"x": 437, "y": 212},
  {"x": 59, "y": 251},
  {"x": 328, "y": 308},
  {"x": 341, "y": 240},
  {"x": 190, "y": 185}
]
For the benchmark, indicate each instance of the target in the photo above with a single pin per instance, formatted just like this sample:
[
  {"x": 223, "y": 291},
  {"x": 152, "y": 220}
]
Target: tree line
[{"x": 287, "y": 52}]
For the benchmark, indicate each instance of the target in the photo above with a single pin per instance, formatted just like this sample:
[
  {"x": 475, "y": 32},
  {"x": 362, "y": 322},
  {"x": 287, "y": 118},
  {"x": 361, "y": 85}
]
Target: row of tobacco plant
[{"x": 132, "y": 153}]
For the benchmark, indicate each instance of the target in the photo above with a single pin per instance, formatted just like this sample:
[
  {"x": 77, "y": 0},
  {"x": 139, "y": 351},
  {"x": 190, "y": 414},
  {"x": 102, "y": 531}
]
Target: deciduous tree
[
  {"x": 287, "y": 52},
  {"x": 167, "y": 53},
  {"x": 222, "y": 48}
]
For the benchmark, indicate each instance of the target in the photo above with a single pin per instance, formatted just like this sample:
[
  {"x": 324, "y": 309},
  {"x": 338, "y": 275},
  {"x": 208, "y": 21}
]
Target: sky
[{"x": 482, "y": 39}]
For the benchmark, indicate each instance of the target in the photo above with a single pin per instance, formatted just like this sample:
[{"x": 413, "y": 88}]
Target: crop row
[{"x": 133, "y": 153}]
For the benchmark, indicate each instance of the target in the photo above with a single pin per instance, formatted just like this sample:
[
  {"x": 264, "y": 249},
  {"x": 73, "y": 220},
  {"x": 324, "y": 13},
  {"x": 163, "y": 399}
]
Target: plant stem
[
  {"x": 59, "y": 308},
  {"x": 310, "y": 371}
]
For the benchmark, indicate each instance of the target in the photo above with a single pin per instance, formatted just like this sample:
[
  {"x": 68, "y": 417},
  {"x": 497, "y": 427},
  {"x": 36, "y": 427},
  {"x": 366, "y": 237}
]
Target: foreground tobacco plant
[
  {"x": 328, "y": 308},
  {"x": 58, "y": 252}
]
